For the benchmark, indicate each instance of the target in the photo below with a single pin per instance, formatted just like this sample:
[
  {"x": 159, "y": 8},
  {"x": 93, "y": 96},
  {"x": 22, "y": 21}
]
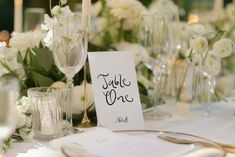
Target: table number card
[{"x": 115, "y": 90}]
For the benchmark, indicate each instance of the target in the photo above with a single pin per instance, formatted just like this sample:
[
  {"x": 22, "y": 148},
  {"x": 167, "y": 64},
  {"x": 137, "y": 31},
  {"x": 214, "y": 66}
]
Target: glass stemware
[
  {"x": 155, "y": 34},
  {"x": 69, "y": 50},
  {"x": 9, "y": 91}
]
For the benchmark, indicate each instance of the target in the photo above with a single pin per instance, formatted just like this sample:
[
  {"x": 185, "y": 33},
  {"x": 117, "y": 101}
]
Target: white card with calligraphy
[{"x": 115, "y": 90}]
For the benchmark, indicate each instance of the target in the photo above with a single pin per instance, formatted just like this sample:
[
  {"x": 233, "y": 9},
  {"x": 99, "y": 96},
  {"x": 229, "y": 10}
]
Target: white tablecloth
[{"x": 219, "y": 126}]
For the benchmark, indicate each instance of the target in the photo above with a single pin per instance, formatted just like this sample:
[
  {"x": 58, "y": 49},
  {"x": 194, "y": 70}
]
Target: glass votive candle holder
[{"x": 47, "y": 112}]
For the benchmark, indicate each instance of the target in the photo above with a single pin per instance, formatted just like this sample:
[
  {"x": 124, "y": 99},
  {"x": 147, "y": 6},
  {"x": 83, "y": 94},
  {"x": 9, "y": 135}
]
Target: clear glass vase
[
  {"x": 203, "y": 89},
  {"x": 47, "y": 112}
]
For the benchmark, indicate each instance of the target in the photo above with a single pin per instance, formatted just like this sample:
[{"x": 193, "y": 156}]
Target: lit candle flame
[{"x": 193, "y": 18}]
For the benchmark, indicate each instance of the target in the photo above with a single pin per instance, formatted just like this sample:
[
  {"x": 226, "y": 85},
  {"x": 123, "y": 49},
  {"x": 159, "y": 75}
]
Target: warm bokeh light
[
  {"x": 4, "y": 35},
  {"x": 193, "y": 18}
]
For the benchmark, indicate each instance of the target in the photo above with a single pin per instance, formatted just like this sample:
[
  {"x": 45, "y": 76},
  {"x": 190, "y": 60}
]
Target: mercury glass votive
[{"x": 47, "y": 112}]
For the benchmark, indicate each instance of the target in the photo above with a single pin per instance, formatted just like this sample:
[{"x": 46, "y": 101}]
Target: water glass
[
  {"x": 33, "y": 18},
  {"x": 47, "y": 112},
  {"x": 9, "y": 91}
]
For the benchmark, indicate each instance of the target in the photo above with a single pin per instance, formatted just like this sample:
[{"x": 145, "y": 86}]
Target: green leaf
[
  {"x": 213, "y": 37},
  {"x": 145, "y": 100},
  {"x": 142, "y": 89},
  {"x": 44, "y": 57},
  {"x": 41, "y": 80}
]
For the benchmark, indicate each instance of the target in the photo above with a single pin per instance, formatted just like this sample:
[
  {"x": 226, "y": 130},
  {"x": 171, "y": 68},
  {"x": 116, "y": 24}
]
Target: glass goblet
[
  {"x": 156, "y": 36},
  {"x": 69, "y": 50}
]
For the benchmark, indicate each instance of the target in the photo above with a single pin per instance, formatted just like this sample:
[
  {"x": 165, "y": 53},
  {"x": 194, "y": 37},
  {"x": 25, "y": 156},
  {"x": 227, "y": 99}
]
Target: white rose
[
  {"x": 78, "y": 98},
  {"x": 123, "y": 9},
  {"x": 140, "y": 53},
  {"x": 23, "y": 41},
  {"x": 129, "y": 24},
  {"x": 199, "y": 43},
  {"x": 222, "y": 48},
  {"x": 9, "y": 55},
  {"x": 101, "y": 23}
]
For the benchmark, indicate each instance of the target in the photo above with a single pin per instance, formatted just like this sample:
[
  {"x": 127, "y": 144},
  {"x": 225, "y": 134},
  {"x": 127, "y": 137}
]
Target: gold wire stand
[{"x": 86, "y": 123}]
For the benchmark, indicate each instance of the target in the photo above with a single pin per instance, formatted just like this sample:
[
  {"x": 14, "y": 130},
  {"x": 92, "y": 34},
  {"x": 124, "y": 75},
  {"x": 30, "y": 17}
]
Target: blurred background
[{"x": 7, "y": 11}]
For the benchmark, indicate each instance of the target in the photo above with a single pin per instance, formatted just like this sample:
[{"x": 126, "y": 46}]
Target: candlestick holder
[{"x": 86, "y": 123}]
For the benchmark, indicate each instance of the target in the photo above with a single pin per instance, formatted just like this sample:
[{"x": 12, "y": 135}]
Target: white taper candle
[
  {"x": 18, "y": 13},
  {"x": 86, "y": 4},
  {"x": 218, "y": 8}
]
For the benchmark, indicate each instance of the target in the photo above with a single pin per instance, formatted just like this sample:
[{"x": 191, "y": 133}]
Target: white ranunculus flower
[
  {"x": 24, "y": 104},
  {"x": 140, "y": 53},
  {"x": 222, "y": 48},
  {"x": 23, "y": 41},
  {"x": 28, "y": 122},
  {"x": 2, "y": 44},
  {"x": 198, "y": 29},
  {"x": 78, "y": 98},
  {"x": 199, "y": 43}
]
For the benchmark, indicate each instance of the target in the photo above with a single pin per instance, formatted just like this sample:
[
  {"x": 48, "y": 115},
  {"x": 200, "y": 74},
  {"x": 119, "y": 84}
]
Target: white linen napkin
[{"x": 41, "y": 152}]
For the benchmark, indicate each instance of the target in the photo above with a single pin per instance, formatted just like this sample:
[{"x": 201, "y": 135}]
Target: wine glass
[
  {"x": 9, "y": 90},
  {"x": 155, "y": 34},
  {"x": 69, "y": 50}
]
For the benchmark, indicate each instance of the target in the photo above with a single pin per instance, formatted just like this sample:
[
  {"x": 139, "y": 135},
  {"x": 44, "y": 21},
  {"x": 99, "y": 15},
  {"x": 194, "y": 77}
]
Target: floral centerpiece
[
  {"x": 206, "y": 53},
  {"x": 114, "y": 27}
]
